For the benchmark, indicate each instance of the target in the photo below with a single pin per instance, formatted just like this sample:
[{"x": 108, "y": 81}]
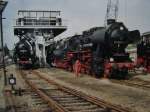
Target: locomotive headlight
[
  {"x": 121, "y": 28},
  {"x": 30, "y": 60},
  {"x": 111, "y": 59}
]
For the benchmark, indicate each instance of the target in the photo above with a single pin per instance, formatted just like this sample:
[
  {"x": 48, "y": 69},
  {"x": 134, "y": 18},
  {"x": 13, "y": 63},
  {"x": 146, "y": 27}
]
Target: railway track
[
  {"x": 64, "y": 99},
  {"x": 38, "y": 105},
  {"x": 136, "y": 82},
  {"x": 10, "y": 105}
]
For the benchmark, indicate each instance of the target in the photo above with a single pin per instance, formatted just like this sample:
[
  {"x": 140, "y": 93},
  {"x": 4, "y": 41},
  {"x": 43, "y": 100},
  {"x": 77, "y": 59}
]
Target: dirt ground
[
  {"x": 26, "y": 101},
  {"x": 2, "y": 99},
  {"x": 134, "y": 98}
]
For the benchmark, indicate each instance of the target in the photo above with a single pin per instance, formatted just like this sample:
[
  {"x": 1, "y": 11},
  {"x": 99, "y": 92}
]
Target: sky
[{"x": 80, "y": 15}]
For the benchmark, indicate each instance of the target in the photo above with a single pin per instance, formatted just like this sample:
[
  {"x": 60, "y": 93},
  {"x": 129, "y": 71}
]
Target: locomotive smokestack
[{"x": 110, "y": 21}]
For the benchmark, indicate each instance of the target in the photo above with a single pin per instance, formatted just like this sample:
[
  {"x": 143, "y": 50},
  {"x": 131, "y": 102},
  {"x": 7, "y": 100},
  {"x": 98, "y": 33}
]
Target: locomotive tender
[
  {"x": 101, "y": 51},
  {"x": 143, "y": 52}
]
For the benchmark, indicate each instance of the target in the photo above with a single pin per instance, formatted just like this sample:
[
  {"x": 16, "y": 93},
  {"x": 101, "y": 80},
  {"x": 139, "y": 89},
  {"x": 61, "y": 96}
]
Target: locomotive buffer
[{"x": 42, "y": 25}]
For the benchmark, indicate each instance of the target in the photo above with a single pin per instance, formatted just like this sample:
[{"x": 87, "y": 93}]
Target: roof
[
  {"x": 146, "y": 33},
  {"x": 37, "y": 11},
  {"x": 42, "y": 13}
]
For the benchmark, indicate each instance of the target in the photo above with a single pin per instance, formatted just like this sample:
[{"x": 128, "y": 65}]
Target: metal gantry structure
[{"x": 112, "y": 11}]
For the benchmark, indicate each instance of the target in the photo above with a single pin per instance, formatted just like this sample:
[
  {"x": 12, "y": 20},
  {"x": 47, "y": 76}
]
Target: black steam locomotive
[
  {"x": 24, "y": 52},
  {"x": 100, "y": 50},
  {"x": 143, "y": 53}
]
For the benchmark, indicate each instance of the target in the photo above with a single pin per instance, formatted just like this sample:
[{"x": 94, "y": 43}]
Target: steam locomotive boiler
[
  {"x": 101, "y": 51},
  {"x": 143, "y": 53}
]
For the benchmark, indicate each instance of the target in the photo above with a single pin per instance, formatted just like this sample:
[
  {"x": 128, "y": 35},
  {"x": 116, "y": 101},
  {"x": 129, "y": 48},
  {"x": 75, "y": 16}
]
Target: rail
[
  {"x": 57, "y": 102},
  {"x": 52, "y": 104},
  {"x": 10, "y": 105},
  {"x": 136, "y": 82}
]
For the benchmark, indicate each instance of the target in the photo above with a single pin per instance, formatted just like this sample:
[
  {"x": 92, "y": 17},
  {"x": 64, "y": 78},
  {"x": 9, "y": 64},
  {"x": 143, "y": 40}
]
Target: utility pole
[{"x": 2, "y": 7}]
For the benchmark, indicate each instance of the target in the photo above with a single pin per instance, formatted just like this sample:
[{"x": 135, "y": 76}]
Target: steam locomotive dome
[{"x": 98, "y": 36}]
